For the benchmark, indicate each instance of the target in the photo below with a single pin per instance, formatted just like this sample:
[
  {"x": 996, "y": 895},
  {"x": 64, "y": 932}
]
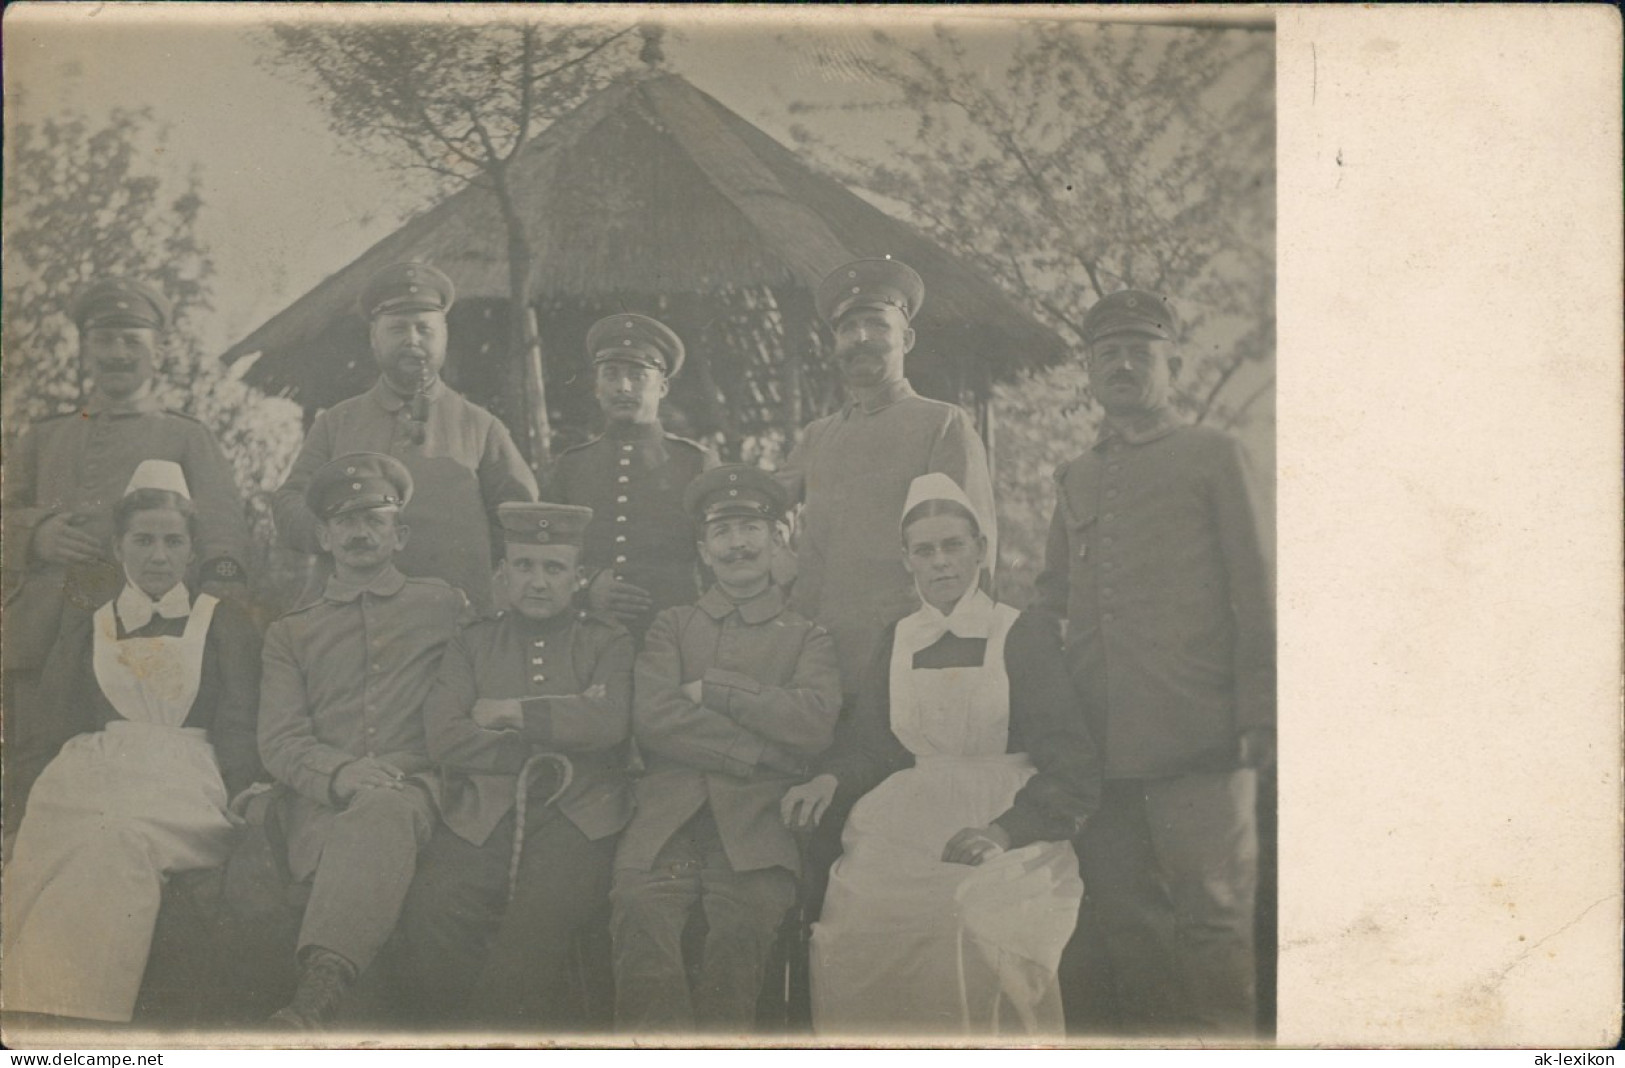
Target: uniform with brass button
[
  {"x": 341, "y": 697},
  {"x": 639, "y": 550},
  {"x": 1154, "y": 559},
  {"x": 732, "y": 696},
  {"x": 463, "y": 460},
  {"x": 61, "y": 481},
  {"x": 541, "y": 681}
]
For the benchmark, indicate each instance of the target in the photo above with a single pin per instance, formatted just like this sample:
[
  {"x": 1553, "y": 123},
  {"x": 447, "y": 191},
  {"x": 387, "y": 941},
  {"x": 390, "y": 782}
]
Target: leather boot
[{"x": 323, "y": 981}]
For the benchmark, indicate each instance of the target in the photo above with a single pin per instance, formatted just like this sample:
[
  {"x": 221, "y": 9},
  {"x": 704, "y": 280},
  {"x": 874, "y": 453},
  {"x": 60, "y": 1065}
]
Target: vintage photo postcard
[{"x": 786, "y": 525}]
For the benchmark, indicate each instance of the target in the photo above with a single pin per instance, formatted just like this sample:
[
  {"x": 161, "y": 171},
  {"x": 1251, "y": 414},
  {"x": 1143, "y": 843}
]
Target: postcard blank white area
[{"x": 1449, "y": 480}]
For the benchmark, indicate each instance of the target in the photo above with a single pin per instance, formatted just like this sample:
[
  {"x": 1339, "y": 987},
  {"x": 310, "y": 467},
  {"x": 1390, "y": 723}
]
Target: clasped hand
[
  {"x": 368, "y": 773},
  {"x": 58, "y": 540},
  {"x": 619, "y": 600},
  {"x": 803, "y": 806},
  {"x": 973, "y": 845}
]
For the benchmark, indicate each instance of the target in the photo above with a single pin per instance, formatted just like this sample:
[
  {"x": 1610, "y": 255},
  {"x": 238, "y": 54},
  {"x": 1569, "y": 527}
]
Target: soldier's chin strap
[{"x": 520, "y": 801}]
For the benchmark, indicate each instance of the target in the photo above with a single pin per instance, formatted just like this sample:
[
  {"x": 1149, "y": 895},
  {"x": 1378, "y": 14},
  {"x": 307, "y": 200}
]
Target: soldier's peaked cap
[
  {"x": 871, "y": 283},
  {"x": 1130, "y": 311},
  {"x": 636, "y": 339},
  {"x": 541, "y": 523},
  {"x": 407, "y": 287},
  {"x": 735, "y": 490},
  {"x": 121, "y": 302},
  {"x": 357, "y": 481}
]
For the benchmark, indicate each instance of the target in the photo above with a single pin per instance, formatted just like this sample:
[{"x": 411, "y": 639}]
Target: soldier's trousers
[
  {"x": 1170, "y": 871},
  {"x": 743, "y": 911},
  {"x": 472, "y": 957},
  {"x": 365, "y": 869}
]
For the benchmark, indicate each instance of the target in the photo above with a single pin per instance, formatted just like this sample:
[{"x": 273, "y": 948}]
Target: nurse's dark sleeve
[
  {"x": 68, "y": 702},
  {"x": 234, "y": 644},
  {"x": 865, "y": 750},
  {"x": 1047, "y": 723}
]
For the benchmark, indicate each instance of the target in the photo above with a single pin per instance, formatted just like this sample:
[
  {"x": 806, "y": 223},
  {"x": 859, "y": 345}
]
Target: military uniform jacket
[
  {"x": 1154, "y": 557},
  {"x": 465, "y": 465},
  {"x": 80, "y": 464},
  {"x": 851, "y": 471},
  {"x": 549, "y": 666},
  {"x": 633, "y": 480},
  {"x": 345, "y": 677},
  {"x": 770, "y": 692}
]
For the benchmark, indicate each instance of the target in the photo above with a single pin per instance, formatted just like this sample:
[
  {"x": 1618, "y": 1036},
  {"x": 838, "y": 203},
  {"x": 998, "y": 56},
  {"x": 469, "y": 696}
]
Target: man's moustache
[
  {"x": 863, "y": 349},
  {"x": 360, "y": 543},
  {"x": 742, "y": 554}
]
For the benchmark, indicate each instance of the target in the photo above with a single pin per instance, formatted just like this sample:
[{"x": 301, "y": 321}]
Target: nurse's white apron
[
  {"x": 908, "y": 943},
  {"x": 107, "y": 821}
]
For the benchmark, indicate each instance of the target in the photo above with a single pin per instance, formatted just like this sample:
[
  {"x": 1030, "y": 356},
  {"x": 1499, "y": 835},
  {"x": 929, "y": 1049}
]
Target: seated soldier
[
  {"x": 529, "y": 720},
  {"x": 341, "y": 726},
  {"x": 732, "y": 695}
]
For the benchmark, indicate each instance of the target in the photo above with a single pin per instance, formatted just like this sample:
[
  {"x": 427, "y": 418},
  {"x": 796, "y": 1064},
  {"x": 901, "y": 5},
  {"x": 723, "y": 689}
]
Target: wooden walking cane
[{"x": 521, "y": 800}]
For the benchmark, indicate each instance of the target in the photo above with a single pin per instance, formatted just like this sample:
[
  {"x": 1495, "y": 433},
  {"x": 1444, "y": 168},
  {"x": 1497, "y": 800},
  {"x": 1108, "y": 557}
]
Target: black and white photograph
[{"x": 603, "y": 526}]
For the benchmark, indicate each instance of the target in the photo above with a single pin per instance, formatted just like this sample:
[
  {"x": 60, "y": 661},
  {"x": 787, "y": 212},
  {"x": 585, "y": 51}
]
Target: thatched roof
[{"x": 654, "y": 187}]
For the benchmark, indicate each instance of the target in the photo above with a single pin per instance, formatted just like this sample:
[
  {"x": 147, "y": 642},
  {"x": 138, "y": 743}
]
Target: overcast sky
[{"x": 287, "y": 205}]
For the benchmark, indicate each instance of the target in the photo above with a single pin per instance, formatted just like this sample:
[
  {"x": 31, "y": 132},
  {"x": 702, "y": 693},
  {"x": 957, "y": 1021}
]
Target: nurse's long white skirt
[
  {"x": 908, "y": 944},
  {"x": 107, "y": 821}
]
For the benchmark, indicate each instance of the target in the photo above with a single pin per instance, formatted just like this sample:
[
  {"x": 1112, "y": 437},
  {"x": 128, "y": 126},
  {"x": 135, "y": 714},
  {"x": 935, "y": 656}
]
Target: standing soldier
[
  {"x": 1154, "y": 559},
  {"x": 851, "y": 470},
  {"x": 639, "y": 552},
  {"x": 341, "y": 727},
  {"x": 60, "y": 486},
  {"x": 529, "y": 721},
  {"x": 462, "y": 460}
]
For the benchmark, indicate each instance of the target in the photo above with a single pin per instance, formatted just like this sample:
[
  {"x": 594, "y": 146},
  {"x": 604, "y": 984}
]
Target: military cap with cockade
[
  {"x": 1130, "y": 311},
  {"x": 735, "y": 490},
  {"x": 121, "y": 302},
  {"x": 871, "y": 283},
  {"x": 407, "y": 287},
  {"x": 541, "y": 523},
  {"x": 636, "y": 339},
  {"x": 357, "y": 481}
]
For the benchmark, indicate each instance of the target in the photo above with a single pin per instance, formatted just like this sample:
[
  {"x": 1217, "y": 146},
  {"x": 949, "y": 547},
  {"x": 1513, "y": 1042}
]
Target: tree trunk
[{"x": 524, "y": 338}]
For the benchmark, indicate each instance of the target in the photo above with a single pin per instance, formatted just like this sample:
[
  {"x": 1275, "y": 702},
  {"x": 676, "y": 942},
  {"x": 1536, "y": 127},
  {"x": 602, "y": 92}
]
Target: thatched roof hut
[{"x": 652, "y": 196}]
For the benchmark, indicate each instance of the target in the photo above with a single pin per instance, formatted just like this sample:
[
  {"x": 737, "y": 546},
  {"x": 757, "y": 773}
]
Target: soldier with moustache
[
  {"x": 732, "y": 695},
  {"x": 851, "y": 470},
  {"x": 462, "y": 459},
  {"x": 639, "y": 552},
  {"x": 341, "y": 727},
  {"x": 529, "y": 720},
  {"x": 61, "y": 483},
  {"x": 1155, "y": 561}
]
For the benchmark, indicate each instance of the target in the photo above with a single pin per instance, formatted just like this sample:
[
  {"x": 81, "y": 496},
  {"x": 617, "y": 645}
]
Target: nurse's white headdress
[
  {"x": 135, "y": 608},
  {"x": 159, "y": 474},
  {"x": 939, "y": 487}
]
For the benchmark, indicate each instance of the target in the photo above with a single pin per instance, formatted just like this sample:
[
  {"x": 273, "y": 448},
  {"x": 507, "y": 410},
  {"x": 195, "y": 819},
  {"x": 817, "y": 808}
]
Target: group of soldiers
[{"x": 511, "y": 702}]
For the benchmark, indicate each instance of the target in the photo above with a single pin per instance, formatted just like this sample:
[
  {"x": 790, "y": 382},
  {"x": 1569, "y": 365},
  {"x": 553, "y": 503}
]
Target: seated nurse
[
  {"x": 158, "y": 689},
  {"x": 967, "y": 755}
]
